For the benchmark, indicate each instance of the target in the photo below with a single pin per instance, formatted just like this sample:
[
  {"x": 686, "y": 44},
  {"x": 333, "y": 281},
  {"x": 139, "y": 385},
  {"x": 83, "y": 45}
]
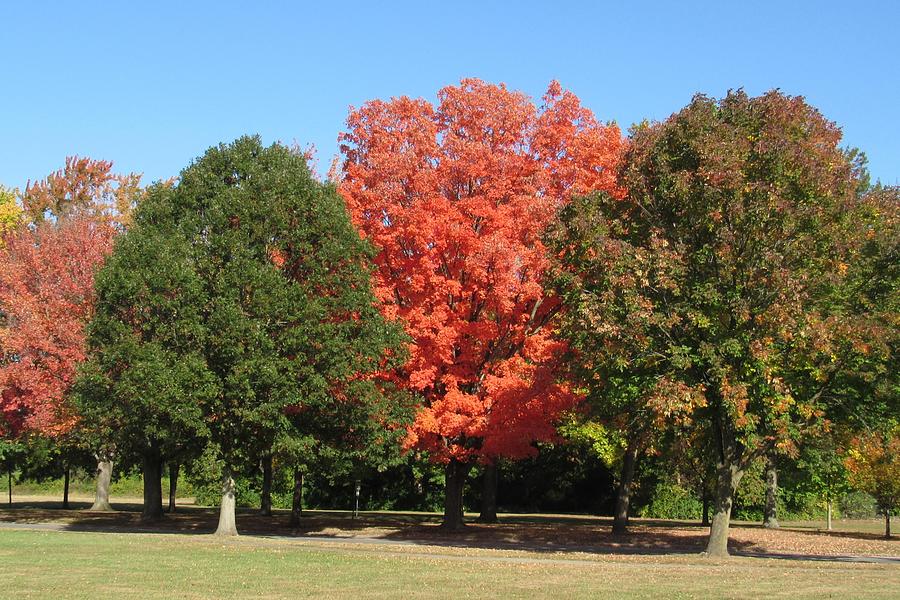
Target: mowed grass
[{"x": 52, "y": 564}]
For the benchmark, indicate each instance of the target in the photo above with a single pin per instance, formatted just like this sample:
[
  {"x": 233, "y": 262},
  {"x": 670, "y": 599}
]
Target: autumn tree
[
  {"x": 620, "y": 288},
  {"x": 235, "y": 312},
  {"x": 46, "y": 297},
  {"x": 873, "y": 463},
  {"x": 63, "y": 236},
  {"x": 86, "y": 187},
  {"x": 736, "y": 218},
  {"x": 455, "y": 197}
]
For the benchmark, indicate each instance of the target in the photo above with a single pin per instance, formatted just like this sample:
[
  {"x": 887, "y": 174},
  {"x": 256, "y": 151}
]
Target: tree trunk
[
  {"x": 9, "y": 479},
  {"x": 104, "y": 477},
  {"x": 623, "y": 496},
  {"x": 173, "y": 484},
  {"x": 227, "y": 522},
  {"x": 153, "y": 506},
  {"x": 265, "y": 508},
  {"x": 297, "y": 500},
  {"x": 828, "y": 515},
  {"x": 705, "y": 521},
  {"x": 728, "y": 477},
  {"x": 66, "y": 475},
  {"x": 454, "y": 483},
  {"x": 887, "y": 524},
  {"x": 489, "y": 480},
  {"x": 770, "y": 516}
]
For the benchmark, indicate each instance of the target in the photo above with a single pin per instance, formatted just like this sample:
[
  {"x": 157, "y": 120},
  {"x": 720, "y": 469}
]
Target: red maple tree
[
  {"x": 46, "y": 288},
  {"x": 456, "y": 198},
  {"x": 46, "y": 297}
]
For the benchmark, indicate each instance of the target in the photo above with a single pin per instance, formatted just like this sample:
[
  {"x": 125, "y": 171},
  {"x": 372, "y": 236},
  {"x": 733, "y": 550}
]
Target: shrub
[
  {"x": 857, "y": 505},
  {"x": 671, "y": 501}
]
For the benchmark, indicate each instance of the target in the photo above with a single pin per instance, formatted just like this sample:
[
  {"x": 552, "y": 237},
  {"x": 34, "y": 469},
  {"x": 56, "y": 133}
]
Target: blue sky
[{"x": 152, "y": 85}]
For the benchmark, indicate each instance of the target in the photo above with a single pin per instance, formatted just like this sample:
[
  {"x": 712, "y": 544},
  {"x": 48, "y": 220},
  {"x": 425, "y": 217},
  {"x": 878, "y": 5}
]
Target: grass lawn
[{"x": 54, "y": 564}]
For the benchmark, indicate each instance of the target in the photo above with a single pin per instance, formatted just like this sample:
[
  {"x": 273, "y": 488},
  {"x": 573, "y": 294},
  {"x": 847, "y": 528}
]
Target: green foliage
[
  {"x": 235, "y": 318},
  {"x": 671, "y": 501},
  {"x": 858, "y": 505},
  {"x": 605, "y": 443}
]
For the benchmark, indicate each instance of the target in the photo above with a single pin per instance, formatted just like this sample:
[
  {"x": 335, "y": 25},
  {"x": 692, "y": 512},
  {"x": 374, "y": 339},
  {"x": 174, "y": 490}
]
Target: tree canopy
[
  {"x": 455, "y": 198},
  {"x": 235, "y": 312}
]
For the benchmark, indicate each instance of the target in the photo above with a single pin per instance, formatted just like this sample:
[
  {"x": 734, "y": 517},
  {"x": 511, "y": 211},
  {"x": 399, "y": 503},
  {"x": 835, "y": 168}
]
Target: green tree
[
  {"x": 620, "y": 290},
  {"x": 234, "y": 315},
  {"x": 734, "y": 225}
]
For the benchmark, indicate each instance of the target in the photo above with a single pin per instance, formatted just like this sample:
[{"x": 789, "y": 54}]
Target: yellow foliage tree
[{"x": 873, "y": 462}]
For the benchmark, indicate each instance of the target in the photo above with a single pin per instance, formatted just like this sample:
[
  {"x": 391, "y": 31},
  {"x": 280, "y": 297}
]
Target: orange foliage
[
  {"x": 46, "y": 297},
  {"x": 84, "y": 187},
  {"x": 456, "y": 197}
]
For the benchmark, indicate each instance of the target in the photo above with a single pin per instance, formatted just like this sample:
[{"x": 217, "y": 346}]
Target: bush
[
  {"x": 857, "y": 505},
  {"x": 671, "y": 501}
]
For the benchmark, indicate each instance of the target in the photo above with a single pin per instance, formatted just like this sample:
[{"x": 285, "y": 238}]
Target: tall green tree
[
  {"x": 619, "y": 291},
  {"x": 235, "y": 313},
  {"x": 734, "y": 225}
]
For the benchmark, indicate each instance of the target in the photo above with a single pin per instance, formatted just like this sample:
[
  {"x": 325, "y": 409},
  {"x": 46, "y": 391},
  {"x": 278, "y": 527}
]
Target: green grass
[{"x": 48, "y": 564}]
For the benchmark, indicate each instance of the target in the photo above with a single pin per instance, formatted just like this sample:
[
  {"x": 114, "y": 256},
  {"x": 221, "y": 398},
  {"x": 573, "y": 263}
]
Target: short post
[{"x": 356, "y": 505}]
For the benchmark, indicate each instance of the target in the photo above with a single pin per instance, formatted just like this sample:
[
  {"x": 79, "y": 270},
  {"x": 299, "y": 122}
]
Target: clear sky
[{"x": 151, "y": 85}]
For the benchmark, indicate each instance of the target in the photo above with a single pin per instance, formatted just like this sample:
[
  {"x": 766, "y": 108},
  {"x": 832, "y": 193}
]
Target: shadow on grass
[{"x": 533, "y": 533}]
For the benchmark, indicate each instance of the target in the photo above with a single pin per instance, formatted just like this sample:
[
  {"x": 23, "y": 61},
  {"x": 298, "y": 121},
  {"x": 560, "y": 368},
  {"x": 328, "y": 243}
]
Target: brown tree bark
[
  {"x": 623, "y": 495},
  {"x": 770, "y": 515},
  {"x": 152, "y": 465},
  {"x": 489, "y": 481},
  {"x": 265, "y": 496},
  {"x": 887, "y": 524},
  {"x": 454, "y": 484},
  {"x": 173, "y": 484},
  {"x": 729, "y": 476},
  {"x": 297, "y": 500}
]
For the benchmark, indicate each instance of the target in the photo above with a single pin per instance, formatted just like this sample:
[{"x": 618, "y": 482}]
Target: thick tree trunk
[
  {"x": 265, "y": 508},
  {"x": 623, "y": 496},
  {"x": 173, "y": 484},
  {"x": 770, "y": 515},
  {"x": 227, "y": 522},
  {"x": 828, "y": 515},
  {"x": 489, "y": 481},
  {"x": 705, "y": 521},
  {"x": 728, "y": 477},
  {"x": 454, "y": 484},
  {"x": 66, "y": 476},
  {"x": 104, "y": 477},
  {"x": 153, "y": 506},
  {"x": 887, "y": 524},
  {"x": 297, "y": 500}
]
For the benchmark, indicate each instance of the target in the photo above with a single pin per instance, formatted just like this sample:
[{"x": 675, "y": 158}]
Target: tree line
[{"x": 477, "y": 277}]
